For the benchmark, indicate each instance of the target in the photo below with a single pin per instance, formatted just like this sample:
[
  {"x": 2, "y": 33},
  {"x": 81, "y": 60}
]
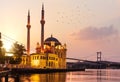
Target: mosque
[{"x": 49, "y": 54}]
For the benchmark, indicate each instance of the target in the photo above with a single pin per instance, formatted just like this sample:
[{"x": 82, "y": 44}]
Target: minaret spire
[
  {"x": 42, "y": 6},
  {"x": 42, "y": 28},
  {"x": 28, "y": 33},
  {"x": 29, "y": 17}
]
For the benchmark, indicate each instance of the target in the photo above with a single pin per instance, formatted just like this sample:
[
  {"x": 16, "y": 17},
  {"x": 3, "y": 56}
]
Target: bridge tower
[{"x": 99, "y": 56}]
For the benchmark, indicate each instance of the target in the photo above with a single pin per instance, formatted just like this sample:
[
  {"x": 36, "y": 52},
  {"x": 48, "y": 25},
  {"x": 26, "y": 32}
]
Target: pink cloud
[{"x": 95, "y": 33}]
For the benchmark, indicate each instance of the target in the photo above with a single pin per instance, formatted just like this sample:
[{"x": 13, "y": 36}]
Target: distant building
[{"x": 50, "y": 54}]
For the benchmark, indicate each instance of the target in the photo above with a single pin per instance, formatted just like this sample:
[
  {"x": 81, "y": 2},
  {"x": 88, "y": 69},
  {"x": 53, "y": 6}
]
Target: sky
[{"x": 86, "y": 26}]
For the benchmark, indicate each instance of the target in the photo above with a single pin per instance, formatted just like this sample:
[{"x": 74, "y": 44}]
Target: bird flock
[{"x": 75, "y": 15}]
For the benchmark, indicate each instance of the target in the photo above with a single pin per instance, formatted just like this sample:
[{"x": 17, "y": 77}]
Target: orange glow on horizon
[{"x": 7, "y": 46}]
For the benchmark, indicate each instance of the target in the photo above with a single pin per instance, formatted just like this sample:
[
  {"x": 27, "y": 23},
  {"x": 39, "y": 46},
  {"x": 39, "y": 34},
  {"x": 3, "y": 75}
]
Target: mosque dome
[{"x": 50, "y": 40}]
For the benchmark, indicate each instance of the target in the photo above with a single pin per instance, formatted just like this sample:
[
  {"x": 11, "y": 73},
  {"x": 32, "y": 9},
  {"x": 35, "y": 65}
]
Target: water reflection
[
  {"x": 51, "y": 77},
  {"x": 98, "y": 75},
  {"x": 103, "y": 75},
  {"x": 94, "y": 75}
]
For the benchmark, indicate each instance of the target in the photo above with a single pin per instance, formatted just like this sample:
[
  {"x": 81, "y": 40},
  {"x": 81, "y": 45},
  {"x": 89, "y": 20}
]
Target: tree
[
  {"x": 15, "y": 60},
  {"x": 2, "y": 59},
  {"x": 2, "y": 50},
  {"x": 18, "y": 49}
]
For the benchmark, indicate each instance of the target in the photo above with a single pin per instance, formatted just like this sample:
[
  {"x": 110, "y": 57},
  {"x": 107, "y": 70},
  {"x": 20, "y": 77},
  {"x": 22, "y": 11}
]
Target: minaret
[
  {"x": 42, "y": 28},
  {"x": 28, "y": 33}
]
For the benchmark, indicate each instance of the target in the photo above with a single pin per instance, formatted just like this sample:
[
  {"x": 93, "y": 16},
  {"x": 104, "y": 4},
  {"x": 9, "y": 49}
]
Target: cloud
[{"x": 95, "y": 33}]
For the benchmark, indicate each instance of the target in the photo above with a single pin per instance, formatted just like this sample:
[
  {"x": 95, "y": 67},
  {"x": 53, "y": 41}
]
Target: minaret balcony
[
  {"x": 42, "y": 21},
  {"x": 28, "y": 26}
]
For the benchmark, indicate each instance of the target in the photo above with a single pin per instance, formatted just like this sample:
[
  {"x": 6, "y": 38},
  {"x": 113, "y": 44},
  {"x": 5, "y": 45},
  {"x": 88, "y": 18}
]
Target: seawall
[{"x": 36, "y": 70}]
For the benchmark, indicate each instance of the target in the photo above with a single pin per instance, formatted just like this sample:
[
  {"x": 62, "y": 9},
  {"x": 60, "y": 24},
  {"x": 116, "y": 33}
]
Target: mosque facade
[{"x": 49, "y": 54}]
